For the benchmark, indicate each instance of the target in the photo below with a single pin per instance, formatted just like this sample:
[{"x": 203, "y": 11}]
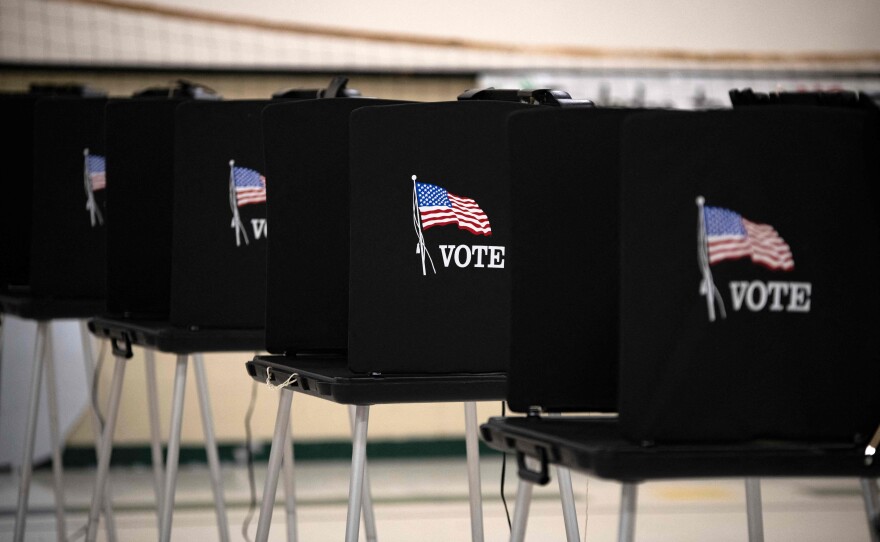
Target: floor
[{"x": 426, "y": 500}]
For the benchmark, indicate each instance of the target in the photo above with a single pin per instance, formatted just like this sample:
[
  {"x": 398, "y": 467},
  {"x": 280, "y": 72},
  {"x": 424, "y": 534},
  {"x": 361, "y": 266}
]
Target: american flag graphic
[
  {"x": 250, "y": 186},
  {"x": 439, "y": 207},
  {"x": 729, "y": 236},
  {"x": 97, "y": 172}
]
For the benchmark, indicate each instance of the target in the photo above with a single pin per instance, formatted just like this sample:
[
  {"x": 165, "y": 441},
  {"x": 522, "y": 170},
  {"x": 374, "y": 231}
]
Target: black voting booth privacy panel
[
  {"x": 307, "y": 145},
  {"x": 430, "y": 234},
  {"x": 140, "y": 165},
  {"x": 173, "y": 210},
  {"x": 564, "y": 183},
  {"x": 54, "y": 259},
  {"x": 307, "y": 156},
  {"x": 749, "y": 265},
  {"x": 68, "y": 255},
  {"x": 17, "y": 202},
  {"x": 219, "y": 244},
  {"x": 683, "y": 414}
]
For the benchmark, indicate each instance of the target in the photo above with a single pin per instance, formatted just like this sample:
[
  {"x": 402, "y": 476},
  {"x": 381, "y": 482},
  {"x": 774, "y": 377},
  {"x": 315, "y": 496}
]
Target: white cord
[
  {"x": 290, "y": 380},
  {"x": 586, "y": 506}
]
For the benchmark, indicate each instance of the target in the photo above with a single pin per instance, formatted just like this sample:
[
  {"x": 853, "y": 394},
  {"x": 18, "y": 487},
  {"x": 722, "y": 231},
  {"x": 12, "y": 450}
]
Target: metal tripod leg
[
  {"x": 155, "y": 433},
  {"x": 626, "y": 531},
  {"x": 289, "y": 486},
  {"x": 55, "y": 436},
  {"x": 472, "y": 445},
  {"x": 276, "y": 453},
  {"x": 566, "y": 495},
  {"x": 211, "y": 447},
  {"x": 753, "y": 510},
  {"x": 31, "y": 433},
  {"x": 88, "y": 355},
  {"x": 871, "y": 496},
  {"x": 521, "y": 511},
  {"x": 173, "y": 448},
  {"x": 368, "y": 513},
  {"x": 2, "y": 334},
  {"x": 569, "y": 512},
  {"x": 358, "y": 465},
  {"x": 98, "y": 495}
]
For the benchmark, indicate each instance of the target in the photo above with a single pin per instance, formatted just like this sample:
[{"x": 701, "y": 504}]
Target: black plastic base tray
[
  {"x": 49, "y": 308},
  {"x": 595, "y": 446},
  {"x": 165, "y": 338},
  {"x": 330, "y": 378}
]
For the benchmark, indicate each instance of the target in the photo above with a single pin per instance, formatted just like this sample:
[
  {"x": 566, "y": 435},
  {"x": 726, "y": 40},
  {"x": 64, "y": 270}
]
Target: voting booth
[
  {"x": 163, "y": 155},
  {"x": 746, "y": 345},
  {"x": 417, "y": 178},
  {"x": 53, "y": 246}
]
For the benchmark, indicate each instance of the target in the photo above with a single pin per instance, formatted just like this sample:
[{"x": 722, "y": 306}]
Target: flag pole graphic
[
  {"x": 707, "y": 286},
  {"x": 91, "y": 204},
  {"x": 233, "y": 205},
  {"x": 417, "y": 224}
]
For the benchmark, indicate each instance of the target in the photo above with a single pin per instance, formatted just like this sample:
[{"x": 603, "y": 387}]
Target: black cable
[
  {"x": 252, "y": 505},
  {"x": 503, "y": 471}
]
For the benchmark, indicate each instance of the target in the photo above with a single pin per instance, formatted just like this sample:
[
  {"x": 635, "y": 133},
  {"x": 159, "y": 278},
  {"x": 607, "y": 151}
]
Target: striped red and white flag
[
  {"x": 250, "y": 186},
  {"x": 438, "y": 207},
  {"x": 729, "y": 236}
]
